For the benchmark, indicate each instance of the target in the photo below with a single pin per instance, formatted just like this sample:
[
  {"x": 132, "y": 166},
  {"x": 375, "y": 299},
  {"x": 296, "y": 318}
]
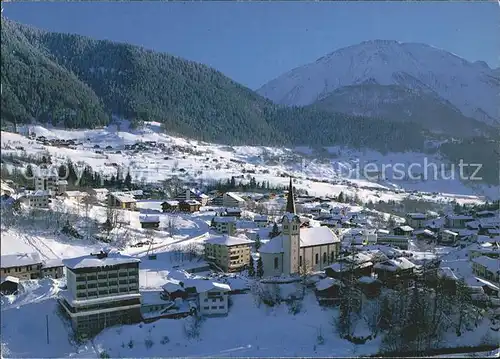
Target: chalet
[
  {"x": 228, "y": 253},
  {"x": 396, "y": 273},
  {"x": 170, "y": 206},
  {"x": 403, "y": 231},
  {"x": 425, "y": 234},
  {"x": 150, "y": 222},
  {"x": 232, "y": 212},
  {"x": 230, "y": 199},
  {"x": 9, "y": 285},
  {"x": 121, "y": 200},
  {"x": 349, "y": 267},
  {"x": 189, "y": 205},
  {"x": 174, "y": 289},
  {"x": 415, "y": 220},
  {"x": 225, "y": 224},
  {"x": 448, "y": 237},
  {"x": 192, "y": 194},
  {"x": 487, "y": 268},
  {"x": 328, "y": 291},
  {"x": 261, "y": 221},
  {"x": 457, "y": 221}
]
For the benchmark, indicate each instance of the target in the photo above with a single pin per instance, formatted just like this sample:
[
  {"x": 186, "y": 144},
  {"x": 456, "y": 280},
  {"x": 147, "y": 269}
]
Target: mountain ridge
[{"x": 470, "y": 87}]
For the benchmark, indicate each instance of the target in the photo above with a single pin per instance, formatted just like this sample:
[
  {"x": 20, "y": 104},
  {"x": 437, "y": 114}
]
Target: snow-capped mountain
[{"x": 472, "y": 88}]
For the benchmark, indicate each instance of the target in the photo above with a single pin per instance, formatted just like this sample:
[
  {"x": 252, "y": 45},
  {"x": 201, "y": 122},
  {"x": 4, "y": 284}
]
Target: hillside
[
  {"x": 399, "y": 104},
  {"x": 472, "y": 88}
]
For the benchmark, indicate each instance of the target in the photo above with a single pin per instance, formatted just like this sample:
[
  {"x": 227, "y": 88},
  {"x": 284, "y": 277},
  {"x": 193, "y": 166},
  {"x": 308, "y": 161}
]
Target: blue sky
[{"x": 255, "y": 42}]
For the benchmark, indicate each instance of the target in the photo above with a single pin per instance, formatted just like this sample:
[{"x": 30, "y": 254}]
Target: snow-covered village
[
  {"x": 306, "y": 179},
  {"x": 223, "y": 255}
]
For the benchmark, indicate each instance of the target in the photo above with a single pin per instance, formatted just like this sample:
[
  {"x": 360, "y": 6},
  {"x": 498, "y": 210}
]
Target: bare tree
[{"x": 172, "y": 225}]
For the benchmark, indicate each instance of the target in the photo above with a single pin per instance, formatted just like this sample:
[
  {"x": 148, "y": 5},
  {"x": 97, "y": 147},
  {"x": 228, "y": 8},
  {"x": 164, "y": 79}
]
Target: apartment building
[
  {"x": 487, "y": 268},
  {"x": 229, "y": 253},
  {"x": 416, "y": 220},
  {"x": 38, "y": 199},
  {"x": 225, "y": 225},
  {"x": 46, "y": 182},
  {"x": 103, "y": 290}
]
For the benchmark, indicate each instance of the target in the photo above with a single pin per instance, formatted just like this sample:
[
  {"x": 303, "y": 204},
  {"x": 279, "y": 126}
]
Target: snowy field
[{"x": 204, "y": 162}]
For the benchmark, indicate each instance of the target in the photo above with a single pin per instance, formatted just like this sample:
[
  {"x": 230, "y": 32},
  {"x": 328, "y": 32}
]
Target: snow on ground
[{"x": 217, "y": 162}]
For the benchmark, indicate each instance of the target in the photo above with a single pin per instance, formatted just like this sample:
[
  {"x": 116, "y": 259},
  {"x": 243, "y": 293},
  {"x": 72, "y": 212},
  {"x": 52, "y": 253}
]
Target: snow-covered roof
[
  {"x": 395, "y": 264},
  {"x": 75, "y": 194},
  {"x": 233, "y": 210},
  {"x": 450, "y": 232},
  {"x": 123, "y": 197},
  {"x": 490, "y": 264},
  {"x": 9, "y": 278},
  {"x": 52, "y": 263},
  {"x": 260, "y": 218},
  {"x": 90, "y": 261},
  {"x": 427, "y": 232},
  {"x": 383, "y": 231},
  {"x": 173, "y": 285},
  {"x": 313, "y": 236},
  {"x": 19, "y": 259},
  {"x": 100, "y": 190},
  {"x": 62, "y": 182},
  {"x": 172, "y": 203},
  {"x": 226, "y": 240},
  {"x": 327, "y": 283},
  {"x": 235, "y": 197},
  {"x": 192, "y": 202},
  {"x": 152, "y": 297},
  {"x": 221, "y": 219},
  {"x": 343, "y": 267},
  {"x": 406, "y": 228},
  {"x": 203, "y": 285},
  {"x": 149, "y": 219}
]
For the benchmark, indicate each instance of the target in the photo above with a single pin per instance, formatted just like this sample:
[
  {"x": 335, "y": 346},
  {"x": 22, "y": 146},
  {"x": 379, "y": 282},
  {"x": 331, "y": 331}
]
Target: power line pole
[{"x": 47, "y": 327}]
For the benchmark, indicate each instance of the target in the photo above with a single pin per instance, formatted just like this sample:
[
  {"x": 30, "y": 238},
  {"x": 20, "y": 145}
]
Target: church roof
[{"x": 314, "y": 236}]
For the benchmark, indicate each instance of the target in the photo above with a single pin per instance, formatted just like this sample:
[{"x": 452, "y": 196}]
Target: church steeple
[{"x": 290, "y": 202}]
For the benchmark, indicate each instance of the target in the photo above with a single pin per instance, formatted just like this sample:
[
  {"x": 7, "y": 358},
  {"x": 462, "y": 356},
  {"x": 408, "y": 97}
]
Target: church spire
[{"x": 290, "y": 202}]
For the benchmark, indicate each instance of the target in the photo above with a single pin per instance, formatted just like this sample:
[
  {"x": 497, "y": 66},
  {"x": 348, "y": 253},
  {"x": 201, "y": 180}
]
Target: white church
[{"x": 297, "y": 250}]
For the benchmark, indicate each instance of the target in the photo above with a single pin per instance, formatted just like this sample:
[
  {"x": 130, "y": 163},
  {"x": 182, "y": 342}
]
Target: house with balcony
[
  {"x": 230, "y": 199},
  {"x": 122, "y": 200},
  {"x": 212, "y": 298},
  {"x": 192, "y": 195},
  {"x": 38, "y": 199},
  {"x": 103, "y": 290},
  {"x": 403, "y": 231},
  {"x": 189, "y": 206},
  {"x": 261, "y": 221},
  {"x": 24, "y": 266},
  {"x": 396, "y": 273},
  {"x": 225, "y": 225},
  {"x": 228, "y": 253},
  {"x": 393, "y": 240},
  {"x": 149, "y": 222},
  {"x": 447, "y": 237},
  {"x": 170, "y": 206}
]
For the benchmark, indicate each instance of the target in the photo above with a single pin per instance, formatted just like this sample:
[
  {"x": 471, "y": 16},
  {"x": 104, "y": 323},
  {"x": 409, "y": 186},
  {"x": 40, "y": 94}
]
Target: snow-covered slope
[{"x": 471, "y": 87}]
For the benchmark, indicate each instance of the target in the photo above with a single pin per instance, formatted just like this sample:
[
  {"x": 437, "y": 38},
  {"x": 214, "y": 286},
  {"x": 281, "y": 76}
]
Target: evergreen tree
[
  {"x": 212, "y": 222},
  {"x": 233, "y": 182},
  {"x": 258, "y": 243},
  {"x": 341, "y": 198},
  {"x": 128, "y": 181},
  {"x": 260, "y": 268},
  {"x": 29, "y": 172},
  {"x": 251, "y": 268}
]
